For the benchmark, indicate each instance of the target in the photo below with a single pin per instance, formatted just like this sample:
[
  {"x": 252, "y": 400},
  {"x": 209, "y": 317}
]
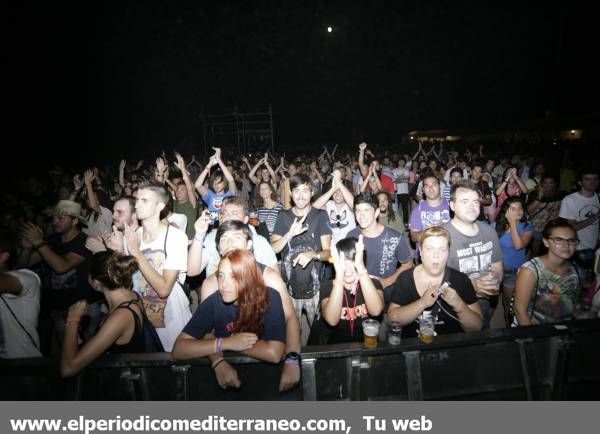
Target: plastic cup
[
  {"x": 394, "y": 333},
  {"x": 370, "y": 333},
  {"x": 426, "y": 329},
  {"x": 253, "y": 218}
]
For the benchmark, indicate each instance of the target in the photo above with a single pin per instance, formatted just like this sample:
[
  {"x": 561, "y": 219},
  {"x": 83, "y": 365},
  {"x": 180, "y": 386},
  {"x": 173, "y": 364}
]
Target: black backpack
[{"x": 303, "y": 283}]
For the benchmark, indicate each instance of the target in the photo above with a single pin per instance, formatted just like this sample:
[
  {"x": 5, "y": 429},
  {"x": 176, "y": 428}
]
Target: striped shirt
[{"x": 269, "y": 216}]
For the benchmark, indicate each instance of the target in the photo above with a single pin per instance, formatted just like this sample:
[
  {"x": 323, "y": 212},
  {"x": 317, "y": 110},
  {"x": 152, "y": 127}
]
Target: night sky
[{"x": 104, "y": 80}]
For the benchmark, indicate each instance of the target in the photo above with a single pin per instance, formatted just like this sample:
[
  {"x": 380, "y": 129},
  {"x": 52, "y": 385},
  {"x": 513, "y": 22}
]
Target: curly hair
[{"x": 253, "y": 297}]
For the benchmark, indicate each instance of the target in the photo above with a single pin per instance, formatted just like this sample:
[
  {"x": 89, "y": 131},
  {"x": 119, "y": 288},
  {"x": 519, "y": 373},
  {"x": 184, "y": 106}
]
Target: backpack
[{"x": 303, "y": 283}]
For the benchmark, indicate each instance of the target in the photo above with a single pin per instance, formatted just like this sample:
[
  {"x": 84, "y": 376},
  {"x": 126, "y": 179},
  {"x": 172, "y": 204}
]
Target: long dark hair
[{"x": 501, "y": 221}]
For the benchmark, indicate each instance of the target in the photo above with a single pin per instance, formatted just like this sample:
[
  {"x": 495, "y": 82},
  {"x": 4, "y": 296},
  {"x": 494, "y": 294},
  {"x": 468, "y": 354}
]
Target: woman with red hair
[{"x": 244, "y": 315}]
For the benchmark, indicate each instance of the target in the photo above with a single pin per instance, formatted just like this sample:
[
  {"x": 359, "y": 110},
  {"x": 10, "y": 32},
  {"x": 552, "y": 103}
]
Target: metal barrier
[{"x": 551, "y": 362}]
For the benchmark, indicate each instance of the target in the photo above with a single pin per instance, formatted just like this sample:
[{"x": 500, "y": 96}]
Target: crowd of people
[{"x": 262, "y": 254}]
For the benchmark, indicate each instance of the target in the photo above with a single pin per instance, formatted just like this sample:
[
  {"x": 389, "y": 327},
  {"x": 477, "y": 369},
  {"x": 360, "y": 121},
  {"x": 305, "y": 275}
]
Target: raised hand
[
  {"x": 77, "y": 183},
  {"x": 32, "y": 233},
  {"x": 122, "y": 165},
  {"x": 217, "y": 153},
  {"x": 297, "y": 227},
  {"x": 362, "y": 146},
  {"x": 95, "y": 244},
  {"x": 180, "y": 164},
  {"x": 133, "y": 240},
  {"x": 88, "y": 176},
  {"x": 359, "y": 262},
  {"x": 339, "y": 262},
  {"x": 161, "y": 166},
  {"x": 202, "y": 224}
]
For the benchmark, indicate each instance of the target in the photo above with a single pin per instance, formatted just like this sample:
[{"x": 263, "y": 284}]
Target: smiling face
[
  {"x": 228, "y": 286},
  {"x": 434, "y": 254},
  {"x": 301, "y": 196},
  {"x": 264, "y": 190},
  {"x": 366, "y": 215}
]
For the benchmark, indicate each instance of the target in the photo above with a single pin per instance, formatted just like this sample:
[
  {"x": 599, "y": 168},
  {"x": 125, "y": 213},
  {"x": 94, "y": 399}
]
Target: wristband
[
  {"x": 73, "y": 322},
  {"x": 291, "y": 362},
  {"x": 219, "y": 345},
  {"x": 215, "y": 364},
  {"x": 40, "y": 245},
  {"x": 200, "y": 240}
]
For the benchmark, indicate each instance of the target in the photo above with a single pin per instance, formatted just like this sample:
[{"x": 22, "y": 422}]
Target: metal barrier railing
[{"x": 529, "y": 363}]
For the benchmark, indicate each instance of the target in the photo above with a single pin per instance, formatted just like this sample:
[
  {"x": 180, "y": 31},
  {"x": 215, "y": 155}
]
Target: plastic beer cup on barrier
[
  {"x": 426, "y": 329},
  {"x": 394, "y": 333},
  {"x": 370, "y": 332}
]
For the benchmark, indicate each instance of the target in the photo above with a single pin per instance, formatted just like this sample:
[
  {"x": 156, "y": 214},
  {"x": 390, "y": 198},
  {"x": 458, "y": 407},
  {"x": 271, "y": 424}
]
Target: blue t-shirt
[
  {"x": 514, "y": 258},
  {"x": 215, "y": 200},
  {"x": 213, "y": 313}
]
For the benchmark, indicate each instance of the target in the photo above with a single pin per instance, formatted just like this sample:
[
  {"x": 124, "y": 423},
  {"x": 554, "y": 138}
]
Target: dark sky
[{"x": 115, "y": 77}]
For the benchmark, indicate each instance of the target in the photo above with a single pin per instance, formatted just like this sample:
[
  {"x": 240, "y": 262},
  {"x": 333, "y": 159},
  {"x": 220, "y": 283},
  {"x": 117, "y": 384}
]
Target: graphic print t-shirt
[{"x": 472, "y": 255}]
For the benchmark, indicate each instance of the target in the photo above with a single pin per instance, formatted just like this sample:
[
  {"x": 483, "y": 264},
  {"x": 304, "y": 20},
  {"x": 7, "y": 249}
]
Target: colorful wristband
[
  {"x": 219, "y": 345},
  {"x": 291, "y": 362}
]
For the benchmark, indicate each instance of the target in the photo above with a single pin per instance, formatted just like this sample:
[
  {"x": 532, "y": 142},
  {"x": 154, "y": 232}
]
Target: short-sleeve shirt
[
  {"x": 286, "y": 218},
  {"x": 353, "y": 308},
  {"x": 214, "y": 314},
  {"x": 514, "y": 258},
  {"x": 473, "y": 254},
  {"x": 191, "y": 212},
  {"x": 26, "y": 307},
  {"x": 385, "y": 251},
  {"x": 425, "y": 216},
  {"x": 168, "y": 251},
  {"x": 263, "y": 252},
  {"x": 214, "y": 201},
  {"x": 577, "y": 207},
  {"x": 73, "y": 285},
  {"x": 405, "y": 292},
  {"x": 340, "y": 221}
]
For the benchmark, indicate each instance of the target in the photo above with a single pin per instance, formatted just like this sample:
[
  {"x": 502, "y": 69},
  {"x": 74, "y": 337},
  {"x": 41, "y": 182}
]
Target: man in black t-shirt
[
  {"x": 65, "y": 269},
  {"x": 303, "y": 237}
]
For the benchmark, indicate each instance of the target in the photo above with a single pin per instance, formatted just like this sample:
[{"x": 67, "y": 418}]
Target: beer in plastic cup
[
  {"x": 394, "y": 333},
  {"x": 426, "y": 329},
  {"x": 370, "y": 332}
]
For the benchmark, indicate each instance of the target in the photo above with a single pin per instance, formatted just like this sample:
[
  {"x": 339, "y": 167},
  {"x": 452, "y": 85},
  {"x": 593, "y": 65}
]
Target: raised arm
[
  {"x": 199, "y": 185},
  {"x": 270, "y": 169},
  {"x": 186, "y": 179},
  {"x": 122, "y": 173},
  {"x": 226, "y": 173},
  {"x": 364, "y": 170},
  {"x": 252, "y": 173},
  {"x": 92, "y": 199}
]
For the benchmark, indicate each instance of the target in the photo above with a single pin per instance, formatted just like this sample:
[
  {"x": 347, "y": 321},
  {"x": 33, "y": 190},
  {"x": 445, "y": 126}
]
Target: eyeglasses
[{"x": 561, "y": 241}]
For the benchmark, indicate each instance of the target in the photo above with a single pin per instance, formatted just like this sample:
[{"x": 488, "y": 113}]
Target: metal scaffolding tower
[{"x": 243, "y": 132}]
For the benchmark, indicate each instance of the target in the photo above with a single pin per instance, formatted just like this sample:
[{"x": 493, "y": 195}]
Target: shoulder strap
[
  {"x": 19, "y": 322},
  {"x": 127, "y": 305},
  {"x": 537, "y": 278},
  {"x": 165, "y": 243}
]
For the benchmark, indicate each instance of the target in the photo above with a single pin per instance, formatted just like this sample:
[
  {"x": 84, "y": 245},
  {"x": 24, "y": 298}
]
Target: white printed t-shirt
[
  {"x": 26, "y": 307},
  {"x": 176, "y": 306}
]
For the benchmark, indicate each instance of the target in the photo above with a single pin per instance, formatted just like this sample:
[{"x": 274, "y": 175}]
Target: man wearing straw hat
[{"x": 64, "y": 268}]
